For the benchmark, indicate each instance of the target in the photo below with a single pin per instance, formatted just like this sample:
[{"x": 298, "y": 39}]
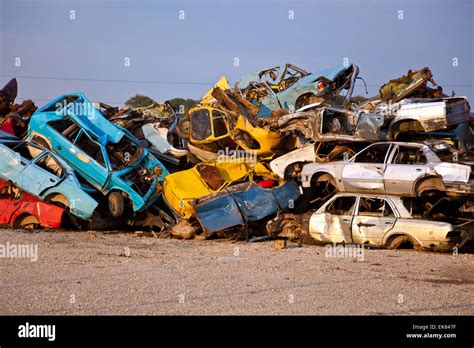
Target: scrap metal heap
[{"x": 284, "y": 154}]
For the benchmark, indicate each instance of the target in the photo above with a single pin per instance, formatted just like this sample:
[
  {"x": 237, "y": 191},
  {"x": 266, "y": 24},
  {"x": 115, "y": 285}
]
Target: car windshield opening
[
  {"x": 123, "y": 154},
  {"x": 200, "y": 125}
]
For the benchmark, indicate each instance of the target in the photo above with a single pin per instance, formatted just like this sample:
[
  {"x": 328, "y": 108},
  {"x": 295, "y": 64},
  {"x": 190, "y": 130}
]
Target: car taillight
[{"x": 320, "y": 86}]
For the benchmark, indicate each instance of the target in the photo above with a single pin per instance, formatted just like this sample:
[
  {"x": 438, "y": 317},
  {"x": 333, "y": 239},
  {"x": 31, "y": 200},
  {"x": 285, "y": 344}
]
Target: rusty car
[
  {"x": 386, "y": 221},
  {"x": 289, "y": 87}
]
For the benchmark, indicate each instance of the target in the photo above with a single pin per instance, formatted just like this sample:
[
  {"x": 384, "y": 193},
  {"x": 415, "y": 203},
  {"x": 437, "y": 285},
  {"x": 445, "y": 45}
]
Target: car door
[
  {"x": 365, "y": 171},
  {"x": 91, "y": 161},
  {"x": 14, "y": 159},
  {"x": 334, "y": 223},
  {"x": 42, "y": 173},
  {"x": 405, "y": 165},
  {"x": 374, "y": 217}
]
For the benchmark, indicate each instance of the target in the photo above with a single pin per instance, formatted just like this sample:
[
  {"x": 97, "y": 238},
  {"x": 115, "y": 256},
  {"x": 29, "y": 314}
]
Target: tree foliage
[
  {"x": 182, "y": 106},
  {"x": 139, "y": 101}
]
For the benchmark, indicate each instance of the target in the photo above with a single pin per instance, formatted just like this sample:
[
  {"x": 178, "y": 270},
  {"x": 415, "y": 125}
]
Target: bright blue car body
[
  {"x": 106, "y": 156},
  {"x": 25, "y": 164}
]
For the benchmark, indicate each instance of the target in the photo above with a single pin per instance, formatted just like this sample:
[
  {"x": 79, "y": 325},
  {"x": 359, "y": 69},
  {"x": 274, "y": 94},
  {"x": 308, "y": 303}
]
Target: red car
[{"x": 20, "y": 209}]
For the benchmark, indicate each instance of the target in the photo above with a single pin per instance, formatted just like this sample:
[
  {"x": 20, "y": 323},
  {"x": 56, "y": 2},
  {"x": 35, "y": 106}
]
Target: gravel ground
[{"x": 87, "y": 273}]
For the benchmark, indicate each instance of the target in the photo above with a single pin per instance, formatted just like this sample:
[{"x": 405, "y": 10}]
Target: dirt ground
[{"x": 90, "y": 273}]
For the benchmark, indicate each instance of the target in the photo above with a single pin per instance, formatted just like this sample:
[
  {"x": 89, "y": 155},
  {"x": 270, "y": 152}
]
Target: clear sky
[{"x": 59, "y": 51}]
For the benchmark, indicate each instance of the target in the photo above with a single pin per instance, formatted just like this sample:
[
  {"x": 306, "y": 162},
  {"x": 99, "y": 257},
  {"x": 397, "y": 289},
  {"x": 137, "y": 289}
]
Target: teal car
[
  {"x": 290, "y": 87},
  {"x": 36, "y": 170},
  {"x": 106, "y": 157}
]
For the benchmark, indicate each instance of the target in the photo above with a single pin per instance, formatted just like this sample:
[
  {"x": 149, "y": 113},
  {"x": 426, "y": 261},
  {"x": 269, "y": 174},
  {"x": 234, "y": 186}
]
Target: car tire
[
  {"x": 26, "y": 222},
  {"x": 116, "y": 204},
  {"x": 403, "y": 242}
]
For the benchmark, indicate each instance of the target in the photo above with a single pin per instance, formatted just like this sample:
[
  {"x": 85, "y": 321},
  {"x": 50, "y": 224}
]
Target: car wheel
[
  {"x": 327, "y": 185},
  {"x": 27, "y": 222},
  {"x": 59, "y": 200},
  {"x": 116, "y": 204},
  {"x": 293, "y": 171},
  {"x": 403, "y": 242}
]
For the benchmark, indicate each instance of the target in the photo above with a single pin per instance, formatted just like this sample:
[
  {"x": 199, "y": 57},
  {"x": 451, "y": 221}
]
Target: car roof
[{"x": 95, "y": 124}]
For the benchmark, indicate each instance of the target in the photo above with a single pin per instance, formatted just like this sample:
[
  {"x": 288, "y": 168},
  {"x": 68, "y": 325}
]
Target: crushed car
[
  {"x": 106, "y": 157},
  {"x": 398, "y": 168},
  {"x": 243, "y": 203},
  {"x": 206, "y": 178},
  {"x": 38, "y": 171},
  {"x": 378, "y": 221},
  {"x": 289, "y": 87},
  {"x": 387, "y": 122},
  {"x": 214, "y": 131},
  {"x": 19, "y": 209}
]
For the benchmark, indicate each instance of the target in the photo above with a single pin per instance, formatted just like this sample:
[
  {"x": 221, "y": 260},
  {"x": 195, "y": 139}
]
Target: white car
[
  {"x": 398, "y": 168},
  {"x": 382, "y": 221}
]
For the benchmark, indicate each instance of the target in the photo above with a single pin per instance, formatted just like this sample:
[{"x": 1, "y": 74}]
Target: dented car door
[
  {"x": 89, "y": 150},
  {"x": 41, "y": 174},
  {"x": 333, "y": 222},
  {"x": 374, "y": 218},
  {"x": 365, "y": 171}
]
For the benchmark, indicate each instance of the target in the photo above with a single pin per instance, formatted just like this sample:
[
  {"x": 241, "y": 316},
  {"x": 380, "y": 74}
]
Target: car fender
[
  {"x": 305, "y": 154},
  {"x": 80, "y": 203},
  {"x": 310, "y": 169}
]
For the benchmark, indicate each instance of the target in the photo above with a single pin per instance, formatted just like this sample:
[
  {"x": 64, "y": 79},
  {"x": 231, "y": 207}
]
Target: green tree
[
  {"x": 139, "y": 101},
  {"x": 182, "y": 106},
  {"x": 359, "y": 99}
]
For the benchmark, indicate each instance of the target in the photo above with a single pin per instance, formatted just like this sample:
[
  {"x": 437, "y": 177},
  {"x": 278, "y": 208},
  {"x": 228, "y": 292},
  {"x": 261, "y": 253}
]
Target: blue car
[
  {"x": 105, "y": 156},
  {"x": 243, "y": 203},
  {"x": 290, "y": 87},
  {"x": 36, "y": 170}
]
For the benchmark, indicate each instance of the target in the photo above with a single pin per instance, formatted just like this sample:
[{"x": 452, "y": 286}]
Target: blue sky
[{"x": 173, "y": 57}]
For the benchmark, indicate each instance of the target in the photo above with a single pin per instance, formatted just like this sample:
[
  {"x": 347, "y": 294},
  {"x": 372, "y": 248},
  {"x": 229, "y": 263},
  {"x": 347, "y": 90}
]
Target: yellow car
[
  {"x": 207, "y": 178},
  {"x": 209, "y": 125}
]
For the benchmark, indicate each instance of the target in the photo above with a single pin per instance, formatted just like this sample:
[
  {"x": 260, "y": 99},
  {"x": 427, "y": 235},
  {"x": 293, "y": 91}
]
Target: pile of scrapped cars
[{"x": 283, "y": 154}]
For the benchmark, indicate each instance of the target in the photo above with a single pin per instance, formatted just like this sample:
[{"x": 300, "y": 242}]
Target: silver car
[
  {"x": 379, "y": 220},
  {"x": 408, "y": 169}
]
